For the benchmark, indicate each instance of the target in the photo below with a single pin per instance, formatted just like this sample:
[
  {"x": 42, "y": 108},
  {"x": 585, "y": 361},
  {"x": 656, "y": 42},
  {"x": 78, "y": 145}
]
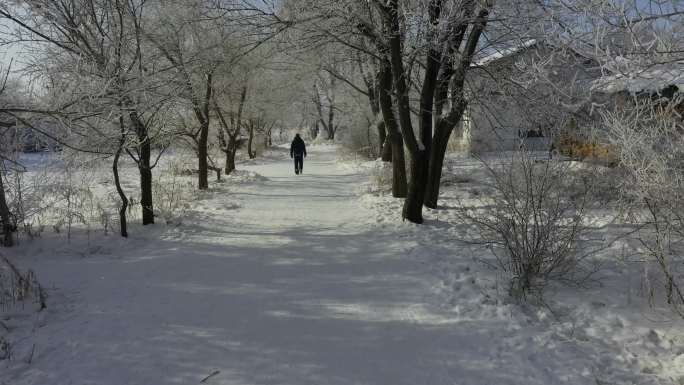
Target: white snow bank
[{"x": 245, "y": 176}]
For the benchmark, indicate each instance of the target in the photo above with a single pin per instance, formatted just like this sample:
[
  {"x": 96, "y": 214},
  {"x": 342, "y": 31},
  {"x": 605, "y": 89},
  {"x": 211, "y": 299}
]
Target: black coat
[{"x": 297, "y": 148}]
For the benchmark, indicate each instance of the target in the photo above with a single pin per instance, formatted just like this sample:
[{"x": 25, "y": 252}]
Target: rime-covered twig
[{"x": 207, "y": 378}]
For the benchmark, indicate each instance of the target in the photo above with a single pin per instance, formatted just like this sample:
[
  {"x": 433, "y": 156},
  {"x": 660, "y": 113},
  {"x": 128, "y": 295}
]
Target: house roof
[
  {"x": 653, "y": 79},
  {"x": 493, "y": 54}
]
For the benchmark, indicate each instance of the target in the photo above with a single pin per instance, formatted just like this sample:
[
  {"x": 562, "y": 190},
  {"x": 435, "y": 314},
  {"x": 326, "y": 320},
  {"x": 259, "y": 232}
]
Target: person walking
[{"x": 298, "y": 152}]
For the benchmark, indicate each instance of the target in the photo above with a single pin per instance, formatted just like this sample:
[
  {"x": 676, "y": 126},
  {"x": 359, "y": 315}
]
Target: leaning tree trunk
[
  {"x": 123, "y": 224},
  {"x": 440, "y": 143},
  {"x": 7, "y": 238}
]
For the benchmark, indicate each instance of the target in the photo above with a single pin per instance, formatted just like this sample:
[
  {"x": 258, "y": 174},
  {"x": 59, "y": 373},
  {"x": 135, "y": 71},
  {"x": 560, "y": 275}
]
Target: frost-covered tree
[
  {"x": 201, "y": 42},
  {"x": 98, "y": 77}
]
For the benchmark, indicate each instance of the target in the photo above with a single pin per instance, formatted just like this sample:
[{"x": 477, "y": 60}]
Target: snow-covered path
[
  {"x": 294, "y": 280},
  {"x": 293, "y": 287}
]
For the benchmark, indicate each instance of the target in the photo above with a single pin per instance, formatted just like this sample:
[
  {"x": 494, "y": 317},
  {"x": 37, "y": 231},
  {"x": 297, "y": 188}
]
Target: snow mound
[
  {"x": 245, "y": 176},
  {"x": 321, "y": 141}
]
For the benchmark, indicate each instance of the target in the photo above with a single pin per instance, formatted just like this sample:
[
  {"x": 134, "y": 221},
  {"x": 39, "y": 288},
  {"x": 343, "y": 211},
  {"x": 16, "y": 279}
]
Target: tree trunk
[
  {"x": 217, "y": 170},
  {"x": 440, "y": 142},
  {"x": 123, "y": 225},
  {"x": 394, "y": 141},
  {"x": 203, "y": 118},
  {"x": 413, "y": 205},
  {"x": 146, "y": 194},
  {"x": 7, "y": 237},
  {"x": 386, "y": 154},
  {"x": 268, "y": 140},
  {"x": 202, "y": 155},
  {"x": 251, "y": 154},
  {"x": 418, "y": 157},
  {"x": 399, "y": 185},
  {"x": 230, "y": 156},
  {"x": 382, "y": 138},
  {"x": 145, "y": 169},
  {"x": 439, "y": 147}
]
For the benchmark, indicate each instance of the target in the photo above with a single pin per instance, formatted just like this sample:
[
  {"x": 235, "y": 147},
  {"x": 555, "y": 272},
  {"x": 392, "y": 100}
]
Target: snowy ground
[{"x": 281, "y": 279}]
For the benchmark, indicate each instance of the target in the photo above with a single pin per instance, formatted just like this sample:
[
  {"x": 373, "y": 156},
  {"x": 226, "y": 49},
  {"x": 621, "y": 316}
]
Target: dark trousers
[{"x": 299, "y": 163}]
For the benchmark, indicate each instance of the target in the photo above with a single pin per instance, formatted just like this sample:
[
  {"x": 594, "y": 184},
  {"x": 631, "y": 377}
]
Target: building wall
[{"x": 535, "y": 89}]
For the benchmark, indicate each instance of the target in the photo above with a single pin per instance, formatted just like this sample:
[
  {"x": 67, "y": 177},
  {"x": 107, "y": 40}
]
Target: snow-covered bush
[
  {"x": 18, "y": 290},
  {"x": 648, "y": 134},
  {"x": 172, "y": 195},
  {"x": 533, "y": 220},
  {"x": 18, "y": 287},
  {"x": 381, "y": 177}
]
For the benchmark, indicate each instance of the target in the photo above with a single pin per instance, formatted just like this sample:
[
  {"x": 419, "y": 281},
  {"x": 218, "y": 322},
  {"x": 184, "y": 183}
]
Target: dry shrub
[
  {"x": 18, "y": 287},
  {"x": 588, "y": 150},
  {"x": 381, "y": 177},
  {"x": 533, "y": 221},
  {"x": 172, "y": 196}
]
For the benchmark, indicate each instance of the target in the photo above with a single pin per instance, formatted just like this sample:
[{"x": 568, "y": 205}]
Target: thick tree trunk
[
  {"x": 146, "y": 194},
  {"x": 251, "y": 154},
  {"x": 418, "y": 157},
  {"x": 202, "y": 155},
  {"x": 145, "y": 170},
  {"x": 394, "y": 141},
  {"x": 399, "y": 185},
  {"x": 230, "y": 157},
  {"x": 439, "y": 147},
  {"x": 413, "y": 205},
  {"x": 7, "y": 236},
  {"x": 203, "y": 118}
]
